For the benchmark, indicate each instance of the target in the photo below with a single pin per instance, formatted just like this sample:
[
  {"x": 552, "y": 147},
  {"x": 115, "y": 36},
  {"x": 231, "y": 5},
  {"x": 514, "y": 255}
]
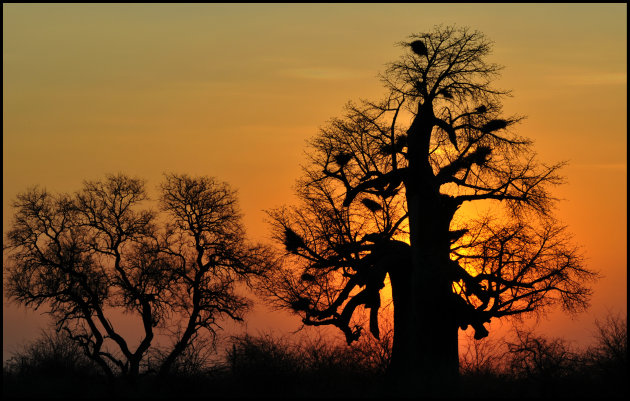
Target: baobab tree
[
  {"x": 84, "y": 256},
  {"x": 381, "y": 196}
]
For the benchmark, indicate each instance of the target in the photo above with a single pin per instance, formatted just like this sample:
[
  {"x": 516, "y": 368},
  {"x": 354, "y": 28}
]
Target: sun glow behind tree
[{"x": 373, "y": 177}]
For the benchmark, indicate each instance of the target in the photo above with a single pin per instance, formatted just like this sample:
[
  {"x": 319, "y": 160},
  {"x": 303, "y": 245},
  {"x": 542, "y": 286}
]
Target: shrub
[{"x": 51, "y": 364}]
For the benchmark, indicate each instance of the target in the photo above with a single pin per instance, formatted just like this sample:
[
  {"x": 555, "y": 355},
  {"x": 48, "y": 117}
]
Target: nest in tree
[
  {"x": 372, "y": 205},
  {"x": 418, "y": 47},
  {"x": 307, "y": 277},
  {"x": 445, "y": 93},
  {"x": 481, "y": 109},
  {"x": 390, "y": 191},
  {"x": 342, "y": 158},
  {"x": 494, "y": 125},
  {"x": 481, "y": 154},
  {"x": 292, "y": 241},
  {"x": 398, "y": 145},
  {"x": 386, "y": 149},
  {"x": 300, "y": 304}
]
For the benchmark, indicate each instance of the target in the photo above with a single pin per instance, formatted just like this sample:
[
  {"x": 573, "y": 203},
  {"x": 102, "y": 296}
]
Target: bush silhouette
[
  {"x": 50, "y": 364},
  {"x": 265, "y": 365},
  {"x": 309, "y": 366}
]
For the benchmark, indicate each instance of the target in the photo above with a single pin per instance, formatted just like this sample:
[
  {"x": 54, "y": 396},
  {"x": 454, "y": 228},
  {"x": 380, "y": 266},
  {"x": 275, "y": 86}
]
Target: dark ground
[{"x": 262, "y": 367}]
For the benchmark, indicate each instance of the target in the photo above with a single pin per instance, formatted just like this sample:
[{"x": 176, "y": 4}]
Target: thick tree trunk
[
  {"x": 426, "y": 360},
  {"x": 425, "y": 357},
  {"x": 404, "y": 354},
  {"x": 404, "y": 338}
]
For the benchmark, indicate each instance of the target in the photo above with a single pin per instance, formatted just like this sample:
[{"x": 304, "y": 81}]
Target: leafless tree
[
  {"x": 609, "y": 355},
  {"x": 484, "y": 357},
  {"x": 540, "y": 360},
  {"x": 380, "y": 197},
  {"x": 86, "y": 255},
  {"x": 208, "y": 241}
]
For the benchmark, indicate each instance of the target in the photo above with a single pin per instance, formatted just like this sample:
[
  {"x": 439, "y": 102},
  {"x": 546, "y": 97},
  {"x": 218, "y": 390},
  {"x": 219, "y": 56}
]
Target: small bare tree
[
  {"x": 483, "y": 357},
  {"x": 89, "y": 254},
  {"x": 608, "y": 357}
]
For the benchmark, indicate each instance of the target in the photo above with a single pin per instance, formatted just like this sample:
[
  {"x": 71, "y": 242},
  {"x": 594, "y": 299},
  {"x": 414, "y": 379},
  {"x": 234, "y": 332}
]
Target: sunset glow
[{"x": 235, "y": 91}]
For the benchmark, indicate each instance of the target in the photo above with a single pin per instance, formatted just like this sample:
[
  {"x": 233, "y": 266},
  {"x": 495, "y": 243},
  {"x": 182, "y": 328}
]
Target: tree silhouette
[
  {"x": 88, "y": 254},
  {"x": 380, "y": 197}
]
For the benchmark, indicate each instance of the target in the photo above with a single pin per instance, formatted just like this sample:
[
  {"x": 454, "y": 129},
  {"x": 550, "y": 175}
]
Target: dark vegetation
[{"x": 266, "y": 366}]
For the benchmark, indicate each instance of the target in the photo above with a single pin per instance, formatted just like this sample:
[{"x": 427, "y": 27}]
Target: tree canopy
[{"x": 381, "y": 195}]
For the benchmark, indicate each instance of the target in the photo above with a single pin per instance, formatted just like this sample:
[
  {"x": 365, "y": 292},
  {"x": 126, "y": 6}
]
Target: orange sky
[{"x": 234, "y": 91}]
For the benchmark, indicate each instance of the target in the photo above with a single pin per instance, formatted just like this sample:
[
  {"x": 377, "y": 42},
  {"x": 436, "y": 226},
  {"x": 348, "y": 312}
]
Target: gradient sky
[{"x": 234, "y": 91}]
